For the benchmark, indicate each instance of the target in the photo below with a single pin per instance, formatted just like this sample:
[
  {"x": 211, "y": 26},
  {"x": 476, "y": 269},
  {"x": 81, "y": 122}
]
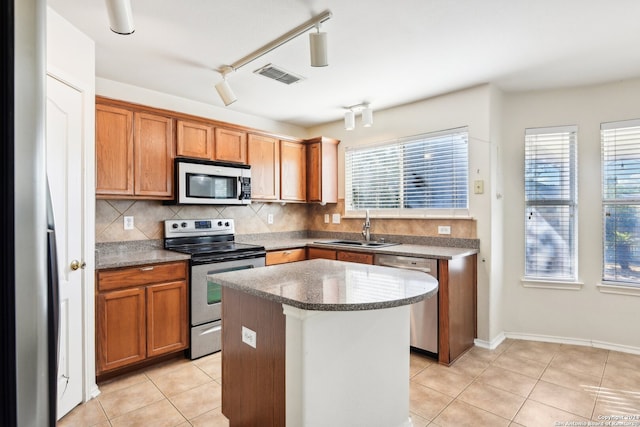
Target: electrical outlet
[
  {"x": 270, "y": 218},
  {"x": 128, "y": 223},
  {"x": 249, "y": 337},
  {"x": 444, "y": 229},
  {"x": 478, "y": 186},
  {"x": 326, "y": 218},
  {"x": 336, "y": 218}
]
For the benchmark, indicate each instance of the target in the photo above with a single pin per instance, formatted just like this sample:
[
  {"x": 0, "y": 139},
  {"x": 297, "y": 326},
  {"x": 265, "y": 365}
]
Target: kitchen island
[{"x": 318, "y": 343}]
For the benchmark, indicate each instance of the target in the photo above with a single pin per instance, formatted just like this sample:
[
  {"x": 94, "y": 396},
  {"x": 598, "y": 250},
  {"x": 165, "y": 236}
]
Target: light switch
[
  {"x": 326, "y": 218},
  {"x": 269, "y": 218},
  {"x": 444, "y": 229}
]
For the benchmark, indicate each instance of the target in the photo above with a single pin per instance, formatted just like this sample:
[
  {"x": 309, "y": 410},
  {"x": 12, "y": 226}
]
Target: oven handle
[
  {"x": 246, "y": 255},
  {"x": 211, "y": 330}
]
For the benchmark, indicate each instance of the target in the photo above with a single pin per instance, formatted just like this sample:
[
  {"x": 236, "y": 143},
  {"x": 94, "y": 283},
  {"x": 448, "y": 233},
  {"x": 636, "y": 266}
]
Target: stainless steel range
[{"x": 211, "y": 244}]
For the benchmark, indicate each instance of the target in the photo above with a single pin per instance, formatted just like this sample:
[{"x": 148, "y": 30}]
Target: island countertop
[{"x": 327, "y": 285}]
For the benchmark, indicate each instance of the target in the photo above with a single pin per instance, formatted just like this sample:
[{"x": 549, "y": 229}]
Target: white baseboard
[
  {"x": 559, "y": 340},
  {"x": 490, "y": 345}
]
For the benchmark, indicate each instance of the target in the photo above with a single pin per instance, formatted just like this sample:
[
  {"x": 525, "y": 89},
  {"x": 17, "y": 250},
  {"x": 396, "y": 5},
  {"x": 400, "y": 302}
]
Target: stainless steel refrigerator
[{"x": 27, "y": 362}]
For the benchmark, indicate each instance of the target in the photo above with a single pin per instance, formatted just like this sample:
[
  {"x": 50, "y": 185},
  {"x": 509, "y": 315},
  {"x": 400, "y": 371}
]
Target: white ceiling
[{"x": 381, "y": 51}]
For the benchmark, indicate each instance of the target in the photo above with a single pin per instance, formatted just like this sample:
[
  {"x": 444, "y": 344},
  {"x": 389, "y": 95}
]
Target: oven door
[{"x": 206, "y": 294}]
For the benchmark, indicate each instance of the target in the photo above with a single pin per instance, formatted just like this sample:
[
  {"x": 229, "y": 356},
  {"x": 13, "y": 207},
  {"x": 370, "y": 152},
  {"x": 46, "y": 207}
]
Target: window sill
[
  {"x": 551, "y": 284},
  {"x": 611, "y": 288}
]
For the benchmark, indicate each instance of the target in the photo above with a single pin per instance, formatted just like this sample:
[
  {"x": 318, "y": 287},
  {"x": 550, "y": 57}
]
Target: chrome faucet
[{"x": 366, "y": 227}]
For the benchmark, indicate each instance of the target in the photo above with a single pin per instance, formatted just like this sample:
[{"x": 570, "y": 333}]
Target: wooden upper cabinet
[
  {"x": 263, "y": 154},
  {"x": 230, "y": 145},
  {"x": 114, "y": 150},
  {"x": 293, "y": 171},
  {"x": 194, "y": 139},
  {"x": 153, "y": 154},
  {"x": 322, "y": 170},
  {"x": 134, "y": 153}
]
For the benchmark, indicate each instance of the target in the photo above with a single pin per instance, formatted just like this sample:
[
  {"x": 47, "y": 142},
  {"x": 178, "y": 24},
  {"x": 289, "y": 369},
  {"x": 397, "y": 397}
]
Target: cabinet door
[
  {"x": 231, "y": 145},
  {"x": 166, "y": 318},
  {"x": 322, "y": 170},
  {"x": 293, "y": 171},
  {"x": 263, "y": 154},
  {"x": 153, "y": 153},
  {"x": 114, "y": 151},
  {"x": 194, "y": 140},
  {"x": 120, "y": 328}
]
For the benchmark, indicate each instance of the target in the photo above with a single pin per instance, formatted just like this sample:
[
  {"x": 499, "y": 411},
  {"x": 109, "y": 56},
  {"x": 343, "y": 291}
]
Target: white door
[{"x": 64, "y": 171}]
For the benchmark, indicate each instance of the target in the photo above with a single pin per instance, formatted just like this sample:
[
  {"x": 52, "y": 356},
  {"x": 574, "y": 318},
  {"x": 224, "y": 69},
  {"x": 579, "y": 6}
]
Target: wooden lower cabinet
[
  {"x": 285, "y": 256},
  {"x": 121, "y": 328},
  {"x": 457, "y": 302},
  {"x": 141, "y": 313},
  {"x": 253, "y": 379}
]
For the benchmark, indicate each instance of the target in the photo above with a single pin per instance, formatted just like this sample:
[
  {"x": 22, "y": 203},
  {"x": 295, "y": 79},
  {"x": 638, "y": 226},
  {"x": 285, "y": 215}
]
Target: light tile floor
[{"x": 521, "y": 383}]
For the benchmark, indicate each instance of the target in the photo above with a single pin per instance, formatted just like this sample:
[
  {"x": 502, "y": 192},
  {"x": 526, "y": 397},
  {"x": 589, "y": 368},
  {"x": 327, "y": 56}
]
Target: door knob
[{"x": 75, "y": 264}]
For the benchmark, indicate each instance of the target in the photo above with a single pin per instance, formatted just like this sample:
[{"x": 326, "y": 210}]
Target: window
[
  {"x": 426, "y": 172},
  {"x": 550, "y": 198},
  {"x": 621, "y": 201}
]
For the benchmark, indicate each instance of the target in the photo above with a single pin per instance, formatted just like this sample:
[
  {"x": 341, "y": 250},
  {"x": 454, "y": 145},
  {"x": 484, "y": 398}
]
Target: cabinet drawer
[
  {"x": 288, "y": 255},
  {"x": 141, "y": 275},
  {"x": 359, "y": 257}
]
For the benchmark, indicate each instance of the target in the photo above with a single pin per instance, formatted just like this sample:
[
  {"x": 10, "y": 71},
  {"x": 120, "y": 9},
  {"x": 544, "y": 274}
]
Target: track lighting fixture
[
  {"x": 120, "y": 16},
  {"x": 224, "y": 90},
  {"x": 318, "y": 48},
  {"x": 366, "y": 112}
]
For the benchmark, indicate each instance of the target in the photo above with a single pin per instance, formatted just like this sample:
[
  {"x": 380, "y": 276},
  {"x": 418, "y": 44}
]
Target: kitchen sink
[{"x": 357, "y": 243}]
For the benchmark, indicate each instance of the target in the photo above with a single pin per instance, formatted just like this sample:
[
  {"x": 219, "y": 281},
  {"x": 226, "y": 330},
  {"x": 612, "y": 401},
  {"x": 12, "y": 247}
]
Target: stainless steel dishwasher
[{"x": 424, "y": 314}]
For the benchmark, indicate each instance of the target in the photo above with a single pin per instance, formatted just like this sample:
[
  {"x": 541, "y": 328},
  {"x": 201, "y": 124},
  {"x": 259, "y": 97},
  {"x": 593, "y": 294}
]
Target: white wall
[
  {"x": 138, "y": 95},
  {"x": 585, "y": 315},
  {"x": 472, "y": 108}
]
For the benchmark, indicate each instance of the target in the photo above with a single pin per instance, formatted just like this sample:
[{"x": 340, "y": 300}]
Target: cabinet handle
[
  {"x": 146, "y": 268},
  {"x": 287, "y": 252}
]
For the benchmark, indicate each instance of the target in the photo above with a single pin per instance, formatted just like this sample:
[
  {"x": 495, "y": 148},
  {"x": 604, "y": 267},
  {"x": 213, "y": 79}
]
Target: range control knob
[
  {"x": 183, "y": 225},
  {"x": 174, "y": 225},
  {"x": 219, "y": 223},
  {"x": 226, "y": 224}
]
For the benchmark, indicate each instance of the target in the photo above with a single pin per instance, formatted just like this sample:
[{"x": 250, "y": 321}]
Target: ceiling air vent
[{"x": 278, "y": 74}]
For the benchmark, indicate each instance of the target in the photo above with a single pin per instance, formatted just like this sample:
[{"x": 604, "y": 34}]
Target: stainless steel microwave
[{"x": 203, "y": 182}]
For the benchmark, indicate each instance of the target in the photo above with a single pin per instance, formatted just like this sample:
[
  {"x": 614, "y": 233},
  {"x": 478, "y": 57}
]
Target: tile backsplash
[{"x": 149, "y": 216}]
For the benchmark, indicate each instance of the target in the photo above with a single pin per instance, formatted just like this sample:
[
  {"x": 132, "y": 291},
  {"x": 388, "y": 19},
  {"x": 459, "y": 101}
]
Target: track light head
[
  {"x": 120, "y": 16},
  {"x": 349, "y": 120},
  {"x": 367, "y": 116},
  {"x": 225, "y": 92},
  {"x": 318, "y": 48}
]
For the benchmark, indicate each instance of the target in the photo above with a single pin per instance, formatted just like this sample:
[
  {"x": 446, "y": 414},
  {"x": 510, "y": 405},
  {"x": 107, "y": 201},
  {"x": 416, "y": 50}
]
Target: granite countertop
[
  {"x": 326, "y": 285},
  {"x": 134, "y": 257},
  {"x": 404, "y": 249}
]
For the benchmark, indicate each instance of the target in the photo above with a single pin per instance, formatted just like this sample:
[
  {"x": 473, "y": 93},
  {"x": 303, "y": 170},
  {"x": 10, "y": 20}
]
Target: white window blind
[
  {"x": 621, "y": 201},
  {"x": 428, "y": 171},
  {"x": 551, "y": 201}
]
